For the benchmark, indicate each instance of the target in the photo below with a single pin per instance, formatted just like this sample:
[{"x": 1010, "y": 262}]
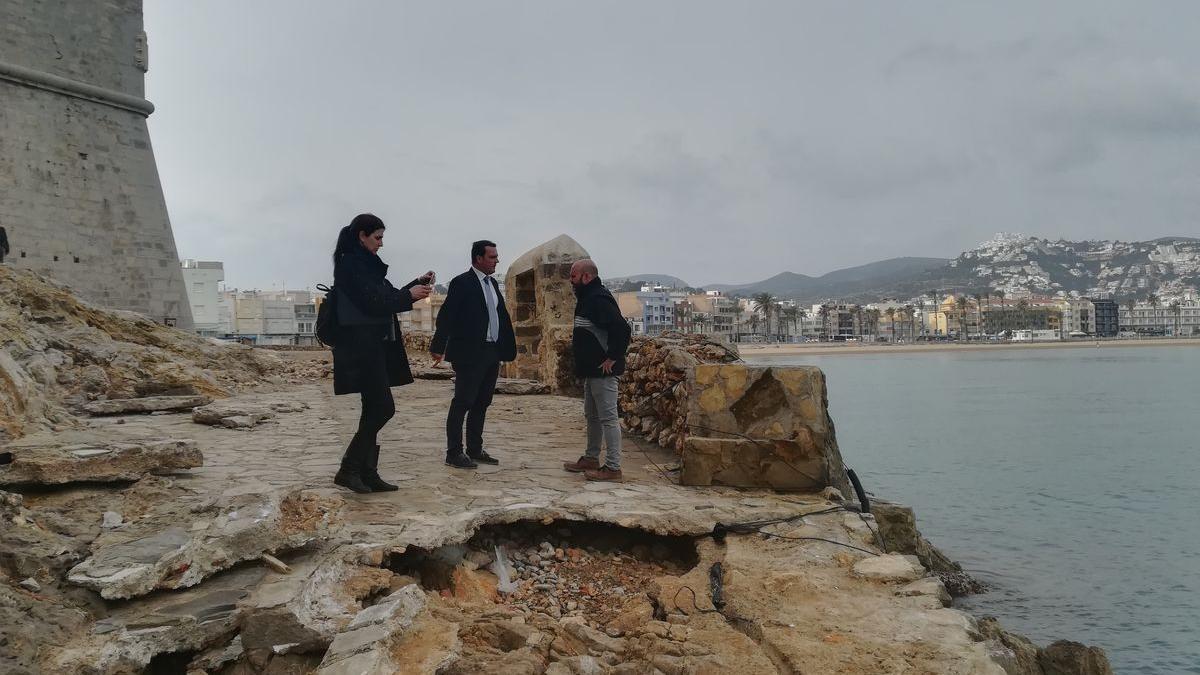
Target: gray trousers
[{"x": 600, "y": 410}]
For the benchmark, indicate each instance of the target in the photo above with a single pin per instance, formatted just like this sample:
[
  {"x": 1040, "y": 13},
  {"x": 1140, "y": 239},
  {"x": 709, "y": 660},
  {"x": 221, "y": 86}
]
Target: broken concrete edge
[
  {"x": 348, "y": 554},
  {"x": 165, "y": 556},
  {"x": 364, "y": 640},
  {"x": 113, "y": 462},
  {"x": 145, "y": 404}
]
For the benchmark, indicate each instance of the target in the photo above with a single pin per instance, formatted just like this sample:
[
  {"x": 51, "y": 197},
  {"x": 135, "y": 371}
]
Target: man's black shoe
[
  {"x": 483, "y": 458},
  {"x": 351, "y": 481},
  {"x": 460, "y": 461}
]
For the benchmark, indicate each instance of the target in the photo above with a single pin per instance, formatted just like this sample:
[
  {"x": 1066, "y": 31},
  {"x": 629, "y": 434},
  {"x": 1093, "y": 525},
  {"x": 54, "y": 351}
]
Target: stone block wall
[
  {"x": 760, "y": 426},
  {"x": 653, "y": 392},
  {"x": 82, "y": 202}
]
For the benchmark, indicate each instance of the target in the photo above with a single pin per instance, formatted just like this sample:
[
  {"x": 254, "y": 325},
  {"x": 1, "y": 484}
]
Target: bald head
[{"x": 583, "y": 272}]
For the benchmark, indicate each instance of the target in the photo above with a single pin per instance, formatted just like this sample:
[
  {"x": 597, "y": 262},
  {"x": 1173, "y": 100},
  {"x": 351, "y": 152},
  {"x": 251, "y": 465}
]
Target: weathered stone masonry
[{"x": 82, "y": 202}]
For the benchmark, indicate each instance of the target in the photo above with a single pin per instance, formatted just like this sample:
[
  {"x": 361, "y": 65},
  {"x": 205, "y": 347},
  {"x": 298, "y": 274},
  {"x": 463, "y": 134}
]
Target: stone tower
[{"x": 80, "y": 195}]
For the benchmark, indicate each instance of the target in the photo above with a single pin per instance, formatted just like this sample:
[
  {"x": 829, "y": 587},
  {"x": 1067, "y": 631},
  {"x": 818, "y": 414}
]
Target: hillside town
[{"x": 287, "y": 317}]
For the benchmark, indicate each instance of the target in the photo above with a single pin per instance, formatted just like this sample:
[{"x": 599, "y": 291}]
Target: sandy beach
[{"x": 824, "y": 348}]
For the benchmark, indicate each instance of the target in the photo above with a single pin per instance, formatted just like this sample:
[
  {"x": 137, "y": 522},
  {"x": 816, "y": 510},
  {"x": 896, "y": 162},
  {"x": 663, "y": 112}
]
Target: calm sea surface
[{"x": 1068, "y": 479}]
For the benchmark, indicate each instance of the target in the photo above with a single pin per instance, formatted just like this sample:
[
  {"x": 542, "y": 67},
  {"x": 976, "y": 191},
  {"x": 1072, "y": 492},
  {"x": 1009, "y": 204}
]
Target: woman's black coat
[{"x": 367, "y": 307}]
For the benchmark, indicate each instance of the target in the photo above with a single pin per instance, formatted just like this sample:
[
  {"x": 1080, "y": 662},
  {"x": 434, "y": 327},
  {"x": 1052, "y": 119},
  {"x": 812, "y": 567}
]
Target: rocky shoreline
[{"x": 149, "y": 537}]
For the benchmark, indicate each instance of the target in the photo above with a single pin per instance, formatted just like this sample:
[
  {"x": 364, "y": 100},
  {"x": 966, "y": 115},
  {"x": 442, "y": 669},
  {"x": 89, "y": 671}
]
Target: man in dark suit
[{"x": 474, "y": 333}]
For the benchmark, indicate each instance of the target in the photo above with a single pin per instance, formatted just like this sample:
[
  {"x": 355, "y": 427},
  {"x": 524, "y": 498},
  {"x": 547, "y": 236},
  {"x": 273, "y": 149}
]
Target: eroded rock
[
  {"x": 123, "y": 406},
  {"x": 889, "y": 568},
  {"x": 1072, "y": 658},
  {"x": 304, "y": 610},
  {"x": 98, "y": 462},
  {"x": 132, "y": 635},
  {"x": 174, "y": 548},
  {"x": 760, "y": 426},
  {"x": 363, "y": 646}
]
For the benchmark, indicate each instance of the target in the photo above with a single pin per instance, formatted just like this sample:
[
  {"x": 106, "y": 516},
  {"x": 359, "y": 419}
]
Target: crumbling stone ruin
[{"x": 538, "y": 292}]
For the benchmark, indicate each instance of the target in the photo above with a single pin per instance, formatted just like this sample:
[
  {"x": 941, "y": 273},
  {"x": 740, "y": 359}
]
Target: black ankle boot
[
  {"x": 371, "y": 477},
  {"x": 350, "y": 481}
]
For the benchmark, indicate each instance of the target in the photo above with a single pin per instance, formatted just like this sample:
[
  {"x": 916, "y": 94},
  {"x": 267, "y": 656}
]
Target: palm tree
[
  {"x": 789, "y": 314},
  {"x": 1023, "y": 313},
  {"x": 1152, "y": 300},
  {"x": 856, "y": 314},
  {"x": 910, "y": 313},
  {"x": 764, "y": 303},
  {"x": 1176, "y": 309},
  {"x": 961, "y": 303},
  {"x": 1130, "y": 303},
  {"x": 823, "y": 313},
  {"x": 891, "y": 315},
  {"x": 978, "y": 311},
  {"x": 800, "y": 314},
  {"x": 737, "y": 322},
  {"x": 873, "y": 322}
]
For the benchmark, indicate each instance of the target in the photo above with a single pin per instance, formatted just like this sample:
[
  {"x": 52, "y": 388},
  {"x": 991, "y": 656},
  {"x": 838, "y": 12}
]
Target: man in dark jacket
[
  {"x": 474, "y": 333},
  {"x": 3, "y": 244},
  {"x": 599, "y": 340}
]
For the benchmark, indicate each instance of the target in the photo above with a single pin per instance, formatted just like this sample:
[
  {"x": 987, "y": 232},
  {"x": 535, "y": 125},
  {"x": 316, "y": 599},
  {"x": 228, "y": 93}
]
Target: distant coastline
[{"x": 822, "y": 348}]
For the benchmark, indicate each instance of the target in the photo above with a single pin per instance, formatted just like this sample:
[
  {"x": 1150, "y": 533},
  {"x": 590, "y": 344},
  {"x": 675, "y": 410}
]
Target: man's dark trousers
[{"x": 474, "y": 384}]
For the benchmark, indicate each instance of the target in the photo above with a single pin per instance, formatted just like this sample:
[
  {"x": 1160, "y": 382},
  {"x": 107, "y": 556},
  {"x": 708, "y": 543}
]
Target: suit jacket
[{"x": 462, "y": 323}]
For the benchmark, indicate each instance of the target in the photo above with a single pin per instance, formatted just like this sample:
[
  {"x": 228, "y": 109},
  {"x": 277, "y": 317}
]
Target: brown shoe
[
  {"x": 584, "y": 463},
  {"x": 603, "y": 473}
]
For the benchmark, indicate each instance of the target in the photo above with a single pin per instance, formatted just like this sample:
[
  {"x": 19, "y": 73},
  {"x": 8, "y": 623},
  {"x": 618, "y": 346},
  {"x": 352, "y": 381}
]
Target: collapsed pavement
[{"x": 252, "y": 562}]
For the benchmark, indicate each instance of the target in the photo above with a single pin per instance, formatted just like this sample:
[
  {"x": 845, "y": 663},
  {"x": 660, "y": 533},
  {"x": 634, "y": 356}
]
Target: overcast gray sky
[{"x": 716, "y": 141}]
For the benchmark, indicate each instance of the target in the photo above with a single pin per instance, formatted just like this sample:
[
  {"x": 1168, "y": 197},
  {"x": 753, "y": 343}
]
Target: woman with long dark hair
[{"x": 368, "y": 355}]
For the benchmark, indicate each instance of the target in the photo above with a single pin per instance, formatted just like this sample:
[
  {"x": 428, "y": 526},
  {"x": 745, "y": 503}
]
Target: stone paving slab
[
  {"x": 146, "y": 404},
  {"x": 80, "y": 457}
]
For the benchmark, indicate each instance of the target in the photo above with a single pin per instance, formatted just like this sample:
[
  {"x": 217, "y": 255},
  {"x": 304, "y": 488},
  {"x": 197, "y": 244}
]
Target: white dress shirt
[{"x": 492, "y": 303}]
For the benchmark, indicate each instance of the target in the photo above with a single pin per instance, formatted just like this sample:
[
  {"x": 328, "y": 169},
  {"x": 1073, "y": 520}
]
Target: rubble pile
[
  {"x": 653, "y": 393},
  {"x": 583, "y": 570},
  {"x": 59, "y": 353},
  {"x": 570, "y": 597}
]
